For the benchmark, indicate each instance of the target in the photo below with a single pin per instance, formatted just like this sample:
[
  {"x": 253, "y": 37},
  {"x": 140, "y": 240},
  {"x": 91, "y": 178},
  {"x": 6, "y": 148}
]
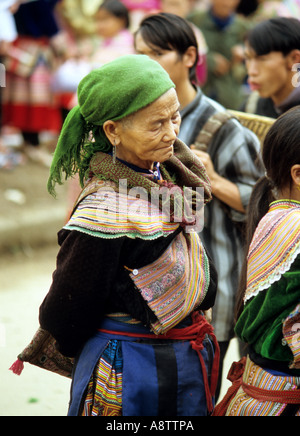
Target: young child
[
  {"x": 268, "y": 304},
  {"x": 112, "y": 25}
]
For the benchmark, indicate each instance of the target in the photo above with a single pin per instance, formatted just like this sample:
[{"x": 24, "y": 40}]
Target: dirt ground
[
  {"x": 25, "y": 279},
  {"x": 28, "y": 213}
]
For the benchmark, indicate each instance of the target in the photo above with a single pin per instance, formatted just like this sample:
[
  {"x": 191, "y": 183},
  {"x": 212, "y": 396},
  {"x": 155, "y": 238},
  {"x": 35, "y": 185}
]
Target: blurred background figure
[
  {"x": 183, "y": 8},
  {"x": 112, "y": 39},
  {"x": 224, "y": 31},
  {"x": 273, "y": 61},
  {"x": 28, "y": 103},
  {"x": 269, "y": 9},
  {"x": 139, "y": 8},
  {"x": 247, "y": 7},
  {"x": 8, "y": 34}
]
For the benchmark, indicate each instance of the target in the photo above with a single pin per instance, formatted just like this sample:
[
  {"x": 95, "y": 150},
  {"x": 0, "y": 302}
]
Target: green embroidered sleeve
[{"x": 261, "y": 322}]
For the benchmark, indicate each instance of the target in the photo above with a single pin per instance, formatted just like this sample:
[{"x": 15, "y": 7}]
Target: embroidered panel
[
  {"x": 176, "y": 283},
  {"x": 274, "y": 248}
]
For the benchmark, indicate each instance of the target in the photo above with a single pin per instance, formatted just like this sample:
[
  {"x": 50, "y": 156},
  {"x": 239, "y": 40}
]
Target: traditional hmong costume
[
  {"x": 132, "y": 281},
  {"x": 155, "y": 272},
  {"x": 267, "y": 383}
]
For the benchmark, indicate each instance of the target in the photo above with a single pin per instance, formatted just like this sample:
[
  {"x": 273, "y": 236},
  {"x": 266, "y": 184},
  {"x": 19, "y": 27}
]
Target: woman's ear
[
  {"x": 295, "y": 174},
  {"x": 111, "y": 129},
  {"x": 190, "y": 56}
]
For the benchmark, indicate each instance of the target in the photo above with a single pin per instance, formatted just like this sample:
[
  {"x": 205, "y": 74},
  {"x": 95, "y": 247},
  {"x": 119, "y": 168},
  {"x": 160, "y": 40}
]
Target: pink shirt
[{"x": 141, "y": 4}]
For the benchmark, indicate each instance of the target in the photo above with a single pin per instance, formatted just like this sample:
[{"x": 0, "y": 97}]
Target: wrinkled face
[
  {"x": 268, "y": 74},
  {"x": 148, "y": 135}
]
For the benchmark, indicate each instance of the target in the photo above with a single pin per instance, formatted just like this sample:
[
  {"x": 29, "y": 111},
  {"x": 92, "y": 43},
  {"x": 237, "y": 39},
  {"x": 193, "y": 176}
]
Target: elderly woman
[{"x": 132, "y": 281}]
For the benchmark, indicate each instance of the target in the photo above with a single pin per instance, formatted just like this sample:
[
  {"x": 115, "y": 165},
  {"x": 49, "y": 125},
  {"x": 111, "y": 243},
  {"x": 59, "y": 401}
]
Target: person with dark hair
[
  {"x": 267, "y": 383},
  {"x": 224, "y": 31},
  {"x": 273, "y": 61},
  {"x": 182, "y": 8},
  {"x": 28, "y": 103},
  {"x": 230, "y": 154},
  {"x": 247, "y": 7}
]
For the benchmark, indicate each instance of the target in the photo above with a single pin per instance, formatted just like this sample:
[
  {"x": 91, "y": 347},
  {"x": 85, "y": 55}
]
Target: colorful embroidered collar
[{"x": 275, "y": 246}]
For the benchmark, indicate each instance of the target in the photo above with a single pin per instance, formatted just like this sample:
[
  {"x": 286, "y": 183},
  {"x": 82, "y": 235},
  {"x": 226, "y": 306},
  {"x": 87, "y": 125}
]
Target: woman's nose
[{"x": 171, "y": 132}]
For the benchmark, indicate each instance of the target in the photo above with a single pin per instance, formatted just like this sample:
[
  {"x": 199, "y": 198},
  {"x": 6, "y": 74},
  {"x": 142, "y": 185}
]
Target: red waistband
[{"x": 196, "y": 334}]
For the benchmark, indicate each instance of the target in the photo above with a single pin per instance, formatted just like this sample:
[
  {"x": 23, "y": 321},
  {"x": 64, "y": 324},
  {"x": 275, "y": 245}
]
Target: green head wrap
[{"x": 111, "y": 92}]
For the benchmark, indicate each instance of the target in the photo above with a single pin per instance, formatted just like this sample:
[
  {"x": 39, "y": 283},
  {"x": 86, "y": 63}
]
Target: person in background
[
  {"x": 230, "y": 158},
  {"x": 138, "y": 9},
  {"x": 247, "y": 7},
  {"x": 8, "y": 34},
  {"x": 273, "y": 64},
  {"x": 224, "y": 32},
  {"x": 27, "y": 98},
  {"x": 182, "y": 8},
  {"x": 132, "y": 281},
  {"x": 277, "y": 8},
  {"x": 112, "y": 23},
  {"x": 112, "y": 39},
  {"x": 267, "y": 382}
]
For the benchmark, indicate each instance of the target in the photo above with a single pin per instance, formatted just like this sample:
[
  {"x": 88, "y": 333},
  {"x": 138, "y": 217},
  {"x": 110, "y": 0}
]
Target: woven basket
[{"x": 256, "y": 123}]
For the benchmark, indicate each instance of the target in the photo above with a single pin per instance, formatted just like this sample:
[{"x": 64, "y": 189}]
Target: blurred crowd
[{"x": 47, "y": 46}]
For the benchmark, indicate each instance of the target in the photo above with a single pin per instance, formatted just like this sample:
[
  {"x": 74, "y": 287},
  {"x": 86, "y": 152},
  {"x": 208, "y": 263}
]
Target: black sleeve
[
  {"x": 90, "y": 281},
  {"x": 82, "y": 282},
  {"x": 210, "y": 297}
]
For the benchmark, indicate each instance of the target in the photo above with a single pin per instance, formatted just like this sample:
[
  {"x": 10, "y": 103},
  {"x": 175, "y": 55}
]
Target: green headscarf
[{"x": 111, "y": 92}]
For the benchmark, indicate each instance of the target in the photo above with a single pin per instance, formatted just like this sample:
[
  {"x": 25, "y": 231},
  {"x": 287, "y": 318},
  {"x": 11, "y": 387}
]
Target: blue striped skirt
[{"x": 132, "y": 376}]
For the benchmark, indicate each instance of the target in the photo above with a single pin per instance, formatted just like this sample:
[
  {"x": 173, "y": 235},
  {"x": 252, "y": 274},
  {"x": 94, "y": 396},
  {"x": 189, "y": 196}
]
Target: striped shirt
[{"x": 234, "y": 151}]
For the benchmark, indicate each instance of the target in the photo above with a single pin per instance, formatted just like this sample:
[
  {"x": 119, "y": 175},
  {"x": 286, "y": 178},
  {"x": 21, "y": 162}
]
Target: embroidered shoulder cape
[
  {"x": 117, "y": 203},
  {"x": 270, "y": 319},
  {"x": 274, "y": 248}
]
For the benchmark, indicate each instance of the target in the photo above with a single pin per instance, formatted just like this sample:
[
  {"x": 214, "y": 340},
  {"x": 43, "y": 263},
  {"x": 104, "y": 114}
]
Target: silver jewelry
[{"x": 114, "y": 152}]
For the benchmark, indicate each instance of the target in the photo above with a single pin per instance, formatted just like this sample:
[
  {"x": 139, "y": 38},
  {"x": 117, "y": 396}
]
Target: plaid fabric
[{"x": 234, "y": 152}]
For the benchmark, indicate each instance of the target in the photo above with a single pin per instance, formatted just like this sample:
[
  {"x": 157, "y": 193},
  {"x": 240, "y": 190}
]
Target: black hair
[
  {"x": 277, "y": 34},
  {"x": 118, "y": 9},
  {"x": 281, "y": 151},
  {"x": 247, "y": 7},
  {"x": 170, "y": 32}
]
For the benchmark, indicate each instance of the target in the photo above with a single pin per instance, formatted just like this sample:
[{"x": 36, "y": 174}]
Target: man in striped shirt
[{"x": 231, "y": 159}]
